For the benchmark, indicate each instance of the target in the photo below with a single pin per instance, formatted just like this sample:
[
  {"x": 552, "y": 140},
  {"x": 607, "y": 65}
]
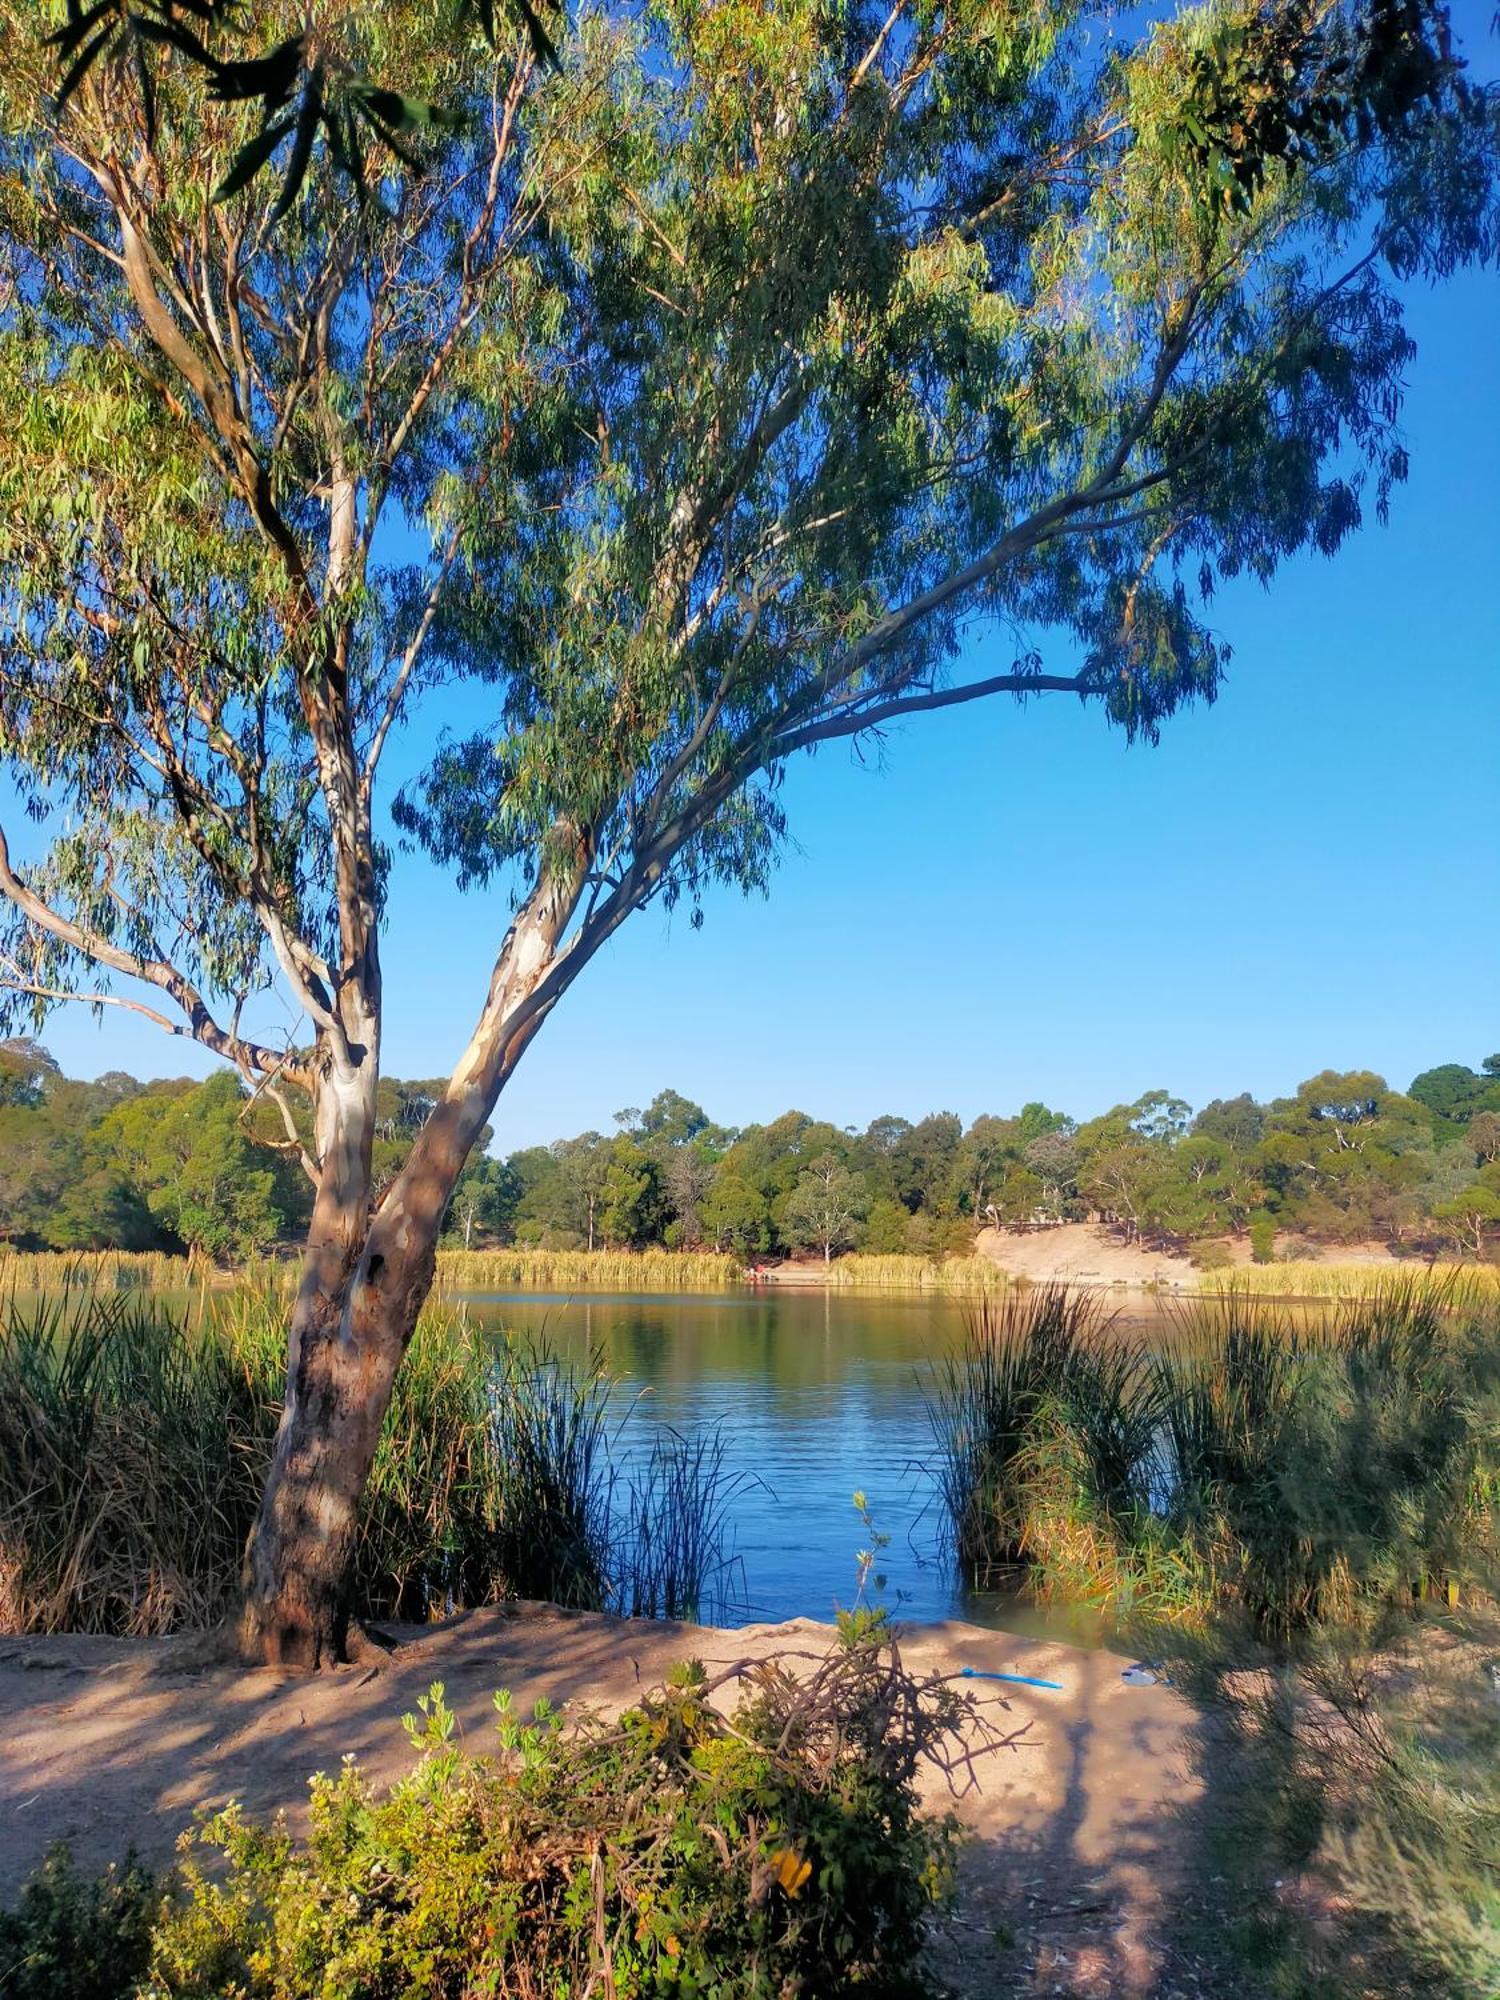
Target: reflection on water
[{"x": 816, "y": 1394}]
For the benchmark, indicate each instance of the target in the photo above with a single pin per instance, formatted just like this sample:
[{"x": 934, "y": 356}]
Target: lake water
[{"x": 816, "y": 1395}]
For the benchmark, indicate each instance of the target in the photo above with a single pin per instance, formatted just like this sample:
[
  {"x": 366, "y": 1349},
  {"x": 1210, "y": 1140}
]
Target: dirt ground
[{"x": 1070, "y": 1885}]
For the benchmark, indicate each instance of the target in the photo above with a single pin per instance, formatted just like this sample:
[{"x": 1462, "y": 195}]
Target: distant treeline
[{"x": 119, "y": 1164}]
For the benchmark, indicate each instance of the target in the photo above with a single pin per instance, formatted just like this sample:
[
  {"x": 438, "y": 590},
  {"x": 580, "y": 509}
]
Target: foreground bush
[
  {"x": 73, "y": 1939},
  {"x": 668, "y": 1853}
]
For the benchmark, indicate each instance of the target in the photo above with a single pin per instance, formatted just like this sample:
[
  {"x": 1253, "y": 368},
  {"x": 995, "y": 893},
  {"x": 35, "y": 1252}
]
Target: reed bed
[
  {"x": 1292, "y": 1470},
  {"x": 101, "y": 1271},
  {"x": 919, "y": 1274},
  {"x": 1302, "y": 1278},
  {"x": 133, "y": 1443},
  {"x": 586, "y": 1270}
]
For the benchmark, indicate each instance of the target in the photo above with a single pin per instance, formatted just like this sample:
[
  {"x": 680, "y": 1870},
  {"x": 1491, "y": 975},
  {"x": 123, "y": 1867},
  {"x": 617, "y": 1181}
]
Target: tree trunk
[
  {"x": 352, "y": 1318},
  {"x": 347, "y": 1347},
  {"x": 365, "y": 1278}
]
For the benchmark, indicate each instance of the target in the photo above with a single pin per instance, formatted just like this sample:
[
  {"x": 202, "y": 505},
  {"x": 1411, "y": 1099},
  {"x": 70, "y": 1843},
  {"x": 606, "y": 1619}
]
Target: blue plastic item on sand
[{"x": 1019, "y": 1680}]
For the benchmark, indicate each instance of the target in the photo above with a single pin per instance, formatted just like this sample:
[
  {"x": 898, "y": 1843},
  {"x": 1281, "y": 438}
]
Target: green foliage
[
  {"x": 1262, "y": 1239},
  {"x": 825, "y": 1207},
  {"x": 662, "y": 1854},
  {"x": 73, "y": 1938},
  {"x": 203, "y": 1175},
  {"x": 1256, "y": 1463},
  {"x": 715, "y": 446},
  {"x": 118, "y": 1164}
]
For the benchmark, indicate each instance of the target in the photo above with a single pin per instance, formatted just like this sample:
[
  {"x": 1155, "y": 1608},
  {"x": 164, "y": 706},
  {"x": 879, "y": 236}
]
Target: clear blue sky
[{"x": 1017, "y": 905}]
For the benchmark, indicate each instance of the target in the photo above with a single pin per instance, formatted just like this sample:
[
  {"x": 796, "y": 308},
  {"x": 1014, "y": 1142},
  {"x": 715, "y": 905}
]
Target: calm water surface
[{"x": 815, "y": 1395}]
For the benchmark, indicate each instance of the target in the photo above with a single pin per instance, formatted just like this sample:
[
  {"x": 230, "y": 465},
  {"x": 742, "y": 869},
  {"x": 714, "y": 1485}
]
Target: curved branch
[{"x": 199, "y": 1023}]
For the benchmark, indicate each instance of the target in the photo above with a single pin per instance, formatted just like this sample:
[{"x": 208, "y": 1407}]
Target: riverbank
[
  {"x": 1073, "y": 1870},
  {"x": 1082, "y": 1254}
]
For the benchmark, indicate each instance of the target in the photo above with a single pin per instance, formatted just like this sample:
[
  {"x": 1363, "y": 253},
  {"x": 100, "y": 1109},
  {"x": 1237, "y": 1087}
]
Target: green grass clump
[
  {"x": 134, "y": 1442},
  {"x": 1287, "y": 1468}
]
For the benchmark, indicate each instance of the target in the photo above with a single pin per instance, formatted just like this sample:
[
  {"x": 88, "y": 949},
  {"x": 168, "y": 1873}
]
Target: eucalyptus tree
[{"x": 762, "y": 376}]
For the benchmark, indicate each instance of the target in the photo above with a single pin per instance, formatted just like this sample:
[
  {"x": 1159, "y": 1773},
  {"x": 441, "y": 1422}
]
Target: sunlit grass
[
  {"x": 100, "y": 1270},
  {"x": 1302, "y": 1278},
  {"x": 585, "y": 1270},
  {"x": 918, "y": 1274}
]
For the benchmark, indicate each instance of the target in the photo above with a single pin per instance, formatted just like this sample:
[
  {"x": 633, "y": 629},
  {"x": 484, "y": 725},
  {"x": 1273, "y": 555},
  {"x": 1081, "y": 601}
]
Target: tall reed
[
  {"x": 101, "y": 1270},
  {"x": 133, "y": 1443},
  {"x": 896, "y": 1272},
  {"x": 1302, "y": 1278},
  {"x": 1293, "y": 1468},
  {"x": 585, "y": 1270}
]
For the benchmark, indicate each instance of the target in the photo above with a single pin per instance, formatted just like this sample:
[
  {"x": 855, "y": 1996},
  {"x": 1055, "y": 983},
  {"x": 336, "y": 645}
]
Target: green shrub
[
  {"x": 1262, "y": 1240},
  {"x": 664, "y": 1854},
  {"x": 73, "y": 1939},
  {"x": 1210, "y": 1253}
]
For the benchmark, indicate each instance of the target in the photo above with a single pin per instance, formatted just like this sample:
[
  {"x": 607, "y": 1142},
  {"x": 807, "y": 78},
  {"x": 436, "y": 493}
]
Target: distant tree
[
  {"x": 922, "y": 1161},
  {"x": 486, "y": 1199},
  {"x": 40, "y": 1157},
  {"x": 1053, "y": 1157},
  {"x": 734, "y": 1215},
  {"x": 1451, "y": 1091},
  {"x": 1037, "y": 1122},
  {"x": 104, "y": 1210},
  {"x": 1262, "y": 1239},
  {"x": 1020, "y": 1196},
  {"x": 1491, "y": 1066},
  {"x": 202, "y": 1174},
  {"x": 885, "y": 1228},
  {"x": 825, "y": 1207},
  {"x": 687, "y": 1177},
  {"x": 1159, "y": 1116},
  {"x": 672, "y": 1119},
  {"x": 583, "y": 1164},
  {"x": 1472, "y": 1218},
  {"x": 980, "y": 1162},
  {"x": 631, "y": 1208},
  {"x": 1117, "y": 1180},
  {"x": 26, "y": 1069},
  {"x": 1239, "y": 1120},
  {"x": 1484, "y": 1135}
]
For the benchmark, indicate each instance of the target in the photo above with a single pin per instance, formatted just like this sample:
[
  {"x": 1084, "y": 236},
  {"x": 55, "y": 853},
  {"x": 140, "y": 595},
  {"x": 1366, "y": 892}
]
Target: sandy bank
[{"x": 109, "y": 1743}]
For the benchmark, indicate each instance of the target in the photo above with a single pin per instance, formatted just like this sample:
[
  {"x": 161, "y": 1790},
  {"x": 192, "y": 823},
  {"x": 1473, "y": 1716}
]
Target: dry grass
[
  {"x": 101, "y": 1271},
  {"x": 585, "y": 1270},
  {"x": 1302, "y": 1278},
  {"x": 973, "y": 1275}
]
